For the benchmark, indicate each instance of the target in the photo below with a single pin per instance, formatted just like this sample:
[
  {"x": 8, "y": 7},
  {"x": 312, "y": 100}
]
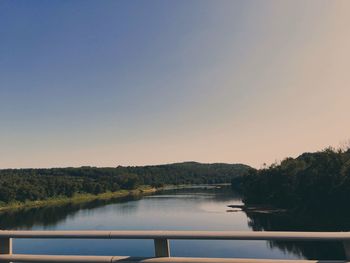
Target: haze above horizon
[{"x": 107, "y": 83}]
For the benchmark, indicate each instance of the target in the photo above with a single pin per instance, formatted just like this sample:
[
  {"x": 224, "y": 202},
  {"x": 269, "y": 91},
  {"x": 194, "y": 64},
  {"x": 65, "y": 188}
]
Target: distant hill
[
  {"x": 187, "y": 173},
  {"x": 21, "y": 185}
]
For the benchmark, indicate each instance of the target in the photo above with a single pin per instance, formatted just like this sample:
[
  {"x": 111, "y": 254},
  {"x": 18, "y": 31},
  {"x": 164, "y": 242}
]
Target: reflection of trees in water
[
  {"x": 312, "y": 250},
  {"x": 51, "y": 215},
  {"x": 294, "y": 222}
]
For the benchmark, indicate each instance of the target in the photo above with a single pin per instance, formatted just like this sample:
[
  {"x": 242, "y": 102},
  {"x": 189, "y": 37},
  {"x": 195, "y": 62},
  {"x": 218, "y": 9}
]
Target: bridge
[{"x": 161, "y": 245}]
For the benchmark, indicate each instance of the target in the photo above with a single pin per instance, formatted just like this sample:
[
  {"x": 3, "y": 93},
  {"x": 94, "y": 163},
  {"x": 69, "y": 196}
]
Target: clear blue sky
[{"x": 143, "y": 82}]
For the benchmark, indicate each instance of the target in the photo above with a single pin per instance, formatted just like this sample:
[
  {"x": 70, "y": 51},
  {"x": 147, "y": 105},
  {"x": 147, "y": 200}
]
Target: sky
[{"x": 107, "y": 83}]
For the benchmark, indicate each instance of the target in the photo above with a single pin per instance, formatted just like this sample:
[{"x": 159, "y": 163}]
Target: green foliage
[
  {"x": 312, "y": 181},
  {"x": 21, "y": 185}
]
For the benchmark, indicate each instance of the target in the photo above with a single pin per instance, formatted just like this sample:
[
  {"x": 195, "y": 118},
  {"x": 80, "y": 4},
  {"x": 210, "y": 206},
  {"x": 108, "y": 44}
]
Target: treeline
[
  {"x": 39, "y": 184},
  {"x": 311, "y": 182}
]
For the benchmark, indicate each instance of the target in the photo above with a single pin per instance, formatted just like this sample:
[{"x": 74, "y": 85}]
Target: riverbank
[
  {"x": 84, "y": 198},
  {"x": 79, "y": 198}
]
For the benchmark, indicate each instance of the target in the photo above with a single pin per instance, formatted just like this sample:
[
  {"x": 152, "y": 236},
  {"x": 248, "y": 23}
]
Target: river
[{"x": 183, "y": 209}]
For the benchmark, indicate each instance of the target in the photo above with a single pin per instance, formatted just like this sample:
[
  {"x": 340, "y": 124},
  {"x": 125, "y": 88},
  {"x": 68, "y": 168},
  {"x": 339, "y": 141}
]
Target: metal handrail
[
  {"x": 118, "y": 259},
  {"x": 161, "y": 244},
  {"x": 203, "y": 235}
]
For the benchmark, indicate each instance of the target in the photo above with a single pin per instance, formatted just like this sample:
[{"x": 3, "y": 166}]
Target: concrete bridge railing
[{"x": 161, "y": 244}]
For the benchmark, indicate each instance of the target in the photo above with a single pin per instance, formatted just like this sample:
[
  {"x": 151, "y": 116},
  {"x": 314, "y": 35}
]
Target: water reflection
[
  {"x": 301, "y": 222},
  {"x": 52, "y": 215}
]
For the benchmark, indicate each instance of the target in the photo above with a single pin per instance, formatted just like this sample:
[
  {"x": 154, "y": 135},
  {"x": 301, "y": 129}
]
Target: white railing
[{"x": 161, "y": 244}]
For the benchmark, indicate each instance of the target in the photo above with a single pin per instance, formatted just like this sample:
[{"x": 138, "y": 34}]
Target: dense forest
[
  {"x": 22, "y": 185},
  {"x": 312, "y": 182}
]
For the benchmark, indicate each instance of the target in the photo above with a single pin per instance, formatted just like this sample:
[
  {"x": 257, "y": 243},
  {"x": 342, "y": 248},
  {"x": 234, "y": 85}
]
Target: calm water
[{"x": 186, "y": 209}]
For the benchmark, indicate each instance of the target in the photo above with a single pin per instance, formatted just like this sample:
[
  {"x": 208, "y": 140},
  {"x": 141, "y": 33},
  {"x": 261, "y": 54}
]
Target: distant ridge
[{"x": 190, "y": 163}]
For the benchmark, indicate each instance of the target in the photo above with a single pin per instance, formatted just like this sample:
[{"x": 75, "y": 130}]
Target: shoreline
[
  {"x": 80, "y": 198},
  {"x": 84, "y": 198}
]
